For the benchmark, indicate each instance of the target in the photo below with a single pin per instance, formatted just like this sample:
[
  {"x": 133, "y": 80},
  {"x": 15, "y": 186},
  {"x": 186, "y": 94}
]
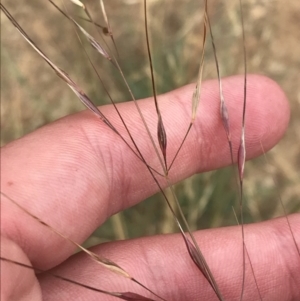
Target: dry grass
[{"x": 33, "y": 96}]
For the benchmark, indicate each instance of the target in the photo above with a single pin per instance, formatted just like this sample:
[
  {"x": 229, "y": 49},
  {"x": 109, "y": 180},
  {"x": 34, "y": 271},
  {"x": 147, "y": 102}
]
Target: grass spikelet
[
  {"x": 223, "y": 107},
  {"x": 200, "y": 262},
  {"x": 91, "y": 39}
]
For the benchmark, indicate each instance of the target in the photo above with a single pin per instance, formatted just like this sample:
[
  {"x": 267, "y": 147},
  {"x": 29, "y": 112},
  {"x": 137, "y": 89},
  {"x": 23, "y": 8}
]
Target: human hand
[{"x": 75, "y": 173}]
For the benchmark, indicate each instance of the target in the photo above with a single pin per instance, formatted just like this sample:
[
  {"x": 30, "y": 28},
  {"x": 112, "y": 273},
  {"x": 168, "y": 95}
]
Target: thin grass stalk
[
  {"x": 281, "y": 202},
  {"x": 242, "y": 149},
  {"x": 249, "y": 258}
]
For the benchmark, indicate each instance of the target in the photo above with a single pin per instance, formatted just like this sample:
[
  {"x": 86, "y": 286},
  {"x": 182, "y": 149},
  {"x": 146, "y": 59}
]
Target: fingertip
[
  {"x": 267, "y": 115},
  {"x": 266, "y": 119}
]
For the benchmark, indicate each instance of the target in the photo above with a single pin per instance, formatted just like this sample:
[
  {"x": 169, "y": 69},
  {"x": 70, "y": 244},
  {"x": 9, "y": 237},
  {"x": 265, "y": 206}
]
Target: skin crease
[{"x": 77, "y": 167}]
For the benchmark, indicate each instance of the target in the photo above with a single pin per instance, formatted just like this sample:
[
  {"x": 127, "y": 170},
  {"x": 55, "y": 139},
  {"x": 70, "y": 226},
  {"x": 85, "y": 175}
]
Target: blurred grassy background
[{"x": 32, "y": 95}]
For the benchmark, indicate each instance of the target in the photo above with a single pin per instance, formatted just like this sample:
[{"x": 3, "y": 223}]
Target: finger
[
  {"x": 76, "y": 172},
  {"x": 17, "y": 283},
  {"x": 163, "y": 264}
]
